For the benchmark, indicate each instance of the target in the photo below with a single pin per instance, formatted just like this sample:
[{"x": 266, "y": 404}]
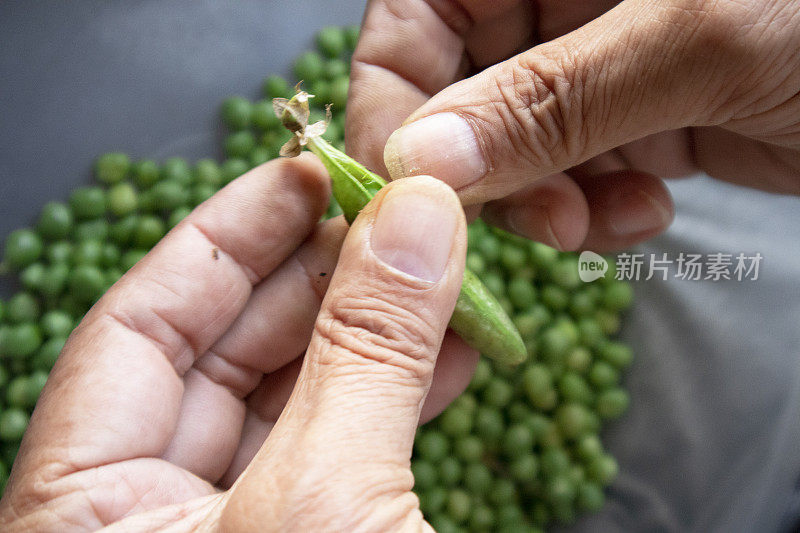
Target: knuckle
[
  {"x": 539, "y": 104},
  {"x": 374, "y": 330}
]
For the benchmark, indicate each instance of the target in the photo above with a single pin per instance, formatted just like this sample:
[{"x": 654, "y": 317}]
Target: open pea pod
[{"x": 478, "y": 317}]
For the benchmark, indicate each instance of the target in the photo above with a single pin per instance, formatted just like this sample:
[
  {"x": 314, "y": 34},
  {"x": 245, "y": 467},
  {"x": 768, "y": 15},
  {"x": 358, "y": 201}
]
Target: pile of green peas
[{"x": 517, "y": 451}]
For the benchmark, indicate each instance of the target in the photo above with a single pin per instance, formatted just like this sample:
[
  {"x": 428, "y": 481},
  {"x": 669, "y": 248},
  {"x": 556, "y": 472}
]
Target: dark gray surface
[{"x": 710, "y": 443}]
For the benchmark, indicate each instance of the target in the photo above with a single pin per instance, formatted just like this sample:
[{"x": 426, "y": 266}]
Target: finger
[
  {"x": 349, "y": 425},
  {"x": 271, "y": 331},
  {"x": 454, "y": 368},
  {"x": 116, "y": 391},
  {"x": 667, "y": 154},
  {"x": 626, "y": 207},
  {"x": 565, "y": 101},
  {"x": 553, "y": 211},
  {"x": 392, "y": 75}
]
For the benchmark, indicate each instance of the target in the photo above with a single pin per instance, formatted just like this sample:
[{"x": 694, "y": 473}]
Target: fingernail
[
  {"x": 443, "y": 146},
  {"x": 414, "y": 233},
  {"x": 637, "y": 212}
]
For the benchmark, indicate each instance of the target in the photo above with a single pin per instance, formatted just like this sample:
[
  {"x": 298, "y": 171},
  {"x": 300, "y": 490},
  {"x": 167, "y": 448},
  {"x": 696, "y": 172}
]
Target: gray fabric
[{"x": 710, "y": 442}]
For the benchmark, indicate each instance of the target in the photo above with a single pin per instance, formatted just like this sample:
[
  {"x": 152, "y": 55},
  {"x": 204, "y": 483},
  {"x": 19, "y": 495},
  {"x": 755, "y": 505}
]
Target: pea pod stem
[{"x": 478, "y": 317}]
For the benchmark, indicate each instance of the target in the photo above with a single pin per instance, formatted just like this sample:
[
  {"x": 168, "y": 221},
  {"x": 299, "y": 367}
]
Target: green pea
[
  {"x": 112, "y": 275},
  {"x": 608, "y": 320},
  {"x": 13, "y": 423},
  {"x": 617, "y": 295},
  {"x": 459, "y": 505},
  {"x": 17, "y": 392},
  {"x": 112, "y": 167},
  {"x": 555, "y": 342},
  {"x": 512, "y": 257},
  {"x": 518, "y": 411},
  {"x": 20, "y": 340},
  {"x": 482, "y": 375},
  {"x": 503, "y": 491},
  {"x": 309, "y": 67},
  {"x": 55, "y": 221},
  {"x": 260, "y": 155},
  {"x": 177, "y": 169},
  {"x": 476, "y": 262},
  {"x": 554, "y": 297},
  {"x": 36, "y": 382},
  {"x": 22, "y": 307},
  {"x": 201, "y": 193},
  {"x": 574, "y": 388},
  {"x": 590, "y": 496},
  {"x": 145, "y": 173},
  {"x": 432, "y": 445},
  {"x": 177, "y": 215},
  {"x": 130, "y": 258},
  {"x": 469, "y": 449},
  {"x": 239, "y": 144},
  {"x": 602, "y": 375},
  {"x": 335, "y": 68},
  {"x": 96, "y": 229},
  {"x": 536, "y": 381},
  {"x": 321, "y": 89},
  {"x": 88, "y": 252},
  {"x": 481, "y": 518},
  {"x": 591, "y": 334},
  {"x": 588, "y": 447},
  {"x": 88, "y": 203},
  {"x": 54, "y": 279},
  {"x": 564, "y": 273},
  {"x": 433, "y": 500},
  {"x": 540, "y": 513},
  {"x": 542, "y": 255},
  {"x": 110, "y": 255},
  {"x": 57, "y": 323},
  {"x": 498, "y": 393},
  {"x": 518, "y": 440},
  {"x": 602, "y": 469},
  {"x": 207, "y": 171},
  {"x": 72, "y": 305},
  {"x": 524, "y": 467},
  {"x": 555, "y": 461},
  {"x": 23, "y": 247},
  {"x": 455, "y": 422},
  {"x": 236, "y": 112},
  {"x": 444, "y": 524},
  {"x": 450, "y": 472},
  {"x": 425, "y": 474},
  {"x": 572, "y": 420},
  {"x": 31, "y": 276},
  {"x": 121, "y": 231},
  {"x": 45, "y": 357},
  {"x": 168, "y": 195},
  {"x": 59, "y": 252},
  {"x": 489, "y": 424},
  {"x": 612, "y": 403},
  {"x": 494, "y": 282},
  {"x": 616, "y": 354},
  {"x": 582, "y": 304},
  {"x": 338, "y": 92},
  {"x": 86, "y": 283},
  {"x": 351, "y": 36},
  {"x": 263, "y": 116},
  {"x": 332, "y": 41},
  {"x": 276, "y": 87},
  {"x": 122, "y": 200},
  {"x": 578, "y": 359},
  {"x": 522, "y": 293},
  {"x": 148, "y": 232}
]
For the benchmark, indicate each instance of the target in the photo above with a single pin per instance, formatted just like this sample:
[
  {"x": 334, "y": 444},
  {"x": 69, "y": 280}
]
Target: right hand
[{"x": 567, "y": 141}]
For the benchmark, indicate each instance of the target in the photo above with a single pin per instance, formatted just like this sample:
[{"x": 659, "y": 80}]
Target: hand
[
  {"x": 575, "y": 108},
  {"x": 166, "y": 407}
]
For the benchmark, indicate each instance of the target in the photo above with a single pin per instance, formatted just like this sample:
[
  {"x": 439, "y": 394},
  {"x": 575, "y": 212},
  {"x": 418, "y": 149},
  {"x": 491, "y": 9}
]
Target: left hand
[{"x": 172, "y": 389}]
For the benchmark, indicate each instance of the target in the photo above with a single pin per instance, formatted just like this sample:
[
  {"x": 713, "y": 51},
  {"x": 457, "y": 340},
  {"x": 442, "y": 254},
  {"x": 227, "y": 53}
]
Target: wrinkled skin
[{"x": 581, "y": 107}]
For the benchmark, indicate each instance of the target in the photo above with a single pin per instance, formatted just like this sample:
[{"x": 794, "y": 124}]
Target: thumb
[
  {"x": 338, "y": 457},
  {"x": 643, "y": 67}
]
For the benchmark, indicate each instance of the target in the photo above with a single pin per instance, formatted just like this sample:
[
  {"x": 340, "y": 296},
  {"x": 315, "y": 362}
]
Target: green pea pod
[{"x": 478, "y": 317}]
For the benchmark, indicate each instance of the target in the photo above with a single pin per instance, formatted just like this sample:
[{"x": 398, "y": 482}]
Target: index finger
[{"x": 115, "y": 392}]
